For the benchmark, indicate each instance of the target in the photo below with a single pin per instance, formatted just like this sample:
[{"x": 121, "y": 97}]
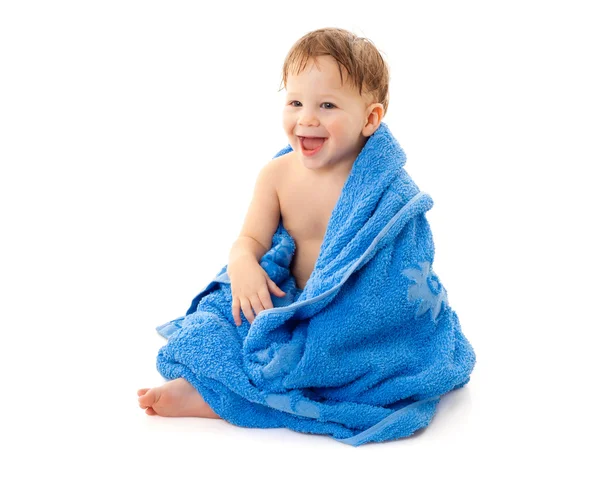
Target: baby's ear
[{"x": 374, "y": 115}]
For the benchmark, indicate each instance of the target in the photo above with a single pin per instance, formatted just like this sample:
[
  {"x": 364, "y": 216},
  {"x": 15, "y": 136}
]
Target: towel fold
[{"x": 365, "y": 351}]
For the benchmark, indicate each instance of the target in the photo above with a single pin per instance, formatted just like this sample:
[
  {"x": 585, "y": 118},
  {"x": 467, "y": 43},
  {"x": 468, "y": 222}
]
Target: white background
[{"x": 131, "y": 133}]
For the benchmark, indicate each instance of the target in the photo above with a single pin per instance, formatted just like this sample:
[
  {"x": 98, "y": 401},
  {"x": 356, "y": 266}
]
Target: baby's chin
[{"x": 320, "y": 164}]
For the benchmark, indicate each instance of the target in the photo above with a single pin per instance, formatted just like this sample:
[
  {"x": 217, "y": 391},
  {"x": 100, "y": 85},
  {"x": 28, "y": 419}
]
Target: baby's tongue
[{"x": 313, "y": 143}]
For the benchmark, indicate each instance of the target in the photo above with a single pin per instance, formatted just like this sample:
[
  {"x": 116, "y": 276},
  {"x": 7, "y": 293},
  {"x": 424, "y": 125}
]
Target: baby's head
[
  {"x": 356, "y": 57},
  {"x": 337, "y": 94}
]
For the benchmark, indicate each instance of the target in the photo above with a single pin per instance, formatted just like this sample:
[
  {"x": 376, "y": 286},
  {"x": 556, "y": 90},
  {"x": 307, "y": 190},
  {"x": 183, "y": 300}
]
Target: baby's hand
[{"x": 250, "y": 290}]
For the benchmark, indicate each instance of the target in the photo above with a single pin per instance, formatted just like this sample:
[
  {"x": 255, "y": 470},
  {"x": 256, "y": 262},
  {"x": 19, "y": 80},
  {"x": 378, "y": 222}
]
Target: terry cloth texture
[{"x": 364, "y": 352}]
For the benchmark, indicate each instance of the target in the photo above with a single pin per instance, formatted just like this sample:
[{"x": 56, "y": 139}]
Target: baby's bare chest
[
  {"x": 306, "y": 210},
  {"x": 306, "y": 202}
]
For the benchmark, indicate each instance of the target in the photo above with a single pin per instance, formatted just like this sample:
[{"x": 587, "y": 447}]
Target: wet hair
[{"x": 365, "y": 67}]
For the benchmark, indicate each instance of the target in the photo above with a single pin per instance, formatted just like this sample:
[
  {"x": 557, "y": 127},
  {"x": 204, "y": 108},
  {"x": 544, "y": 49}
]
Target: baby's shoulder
[
  {"x": 281, "y": 167},
  {"x": 283, "y": 162}
]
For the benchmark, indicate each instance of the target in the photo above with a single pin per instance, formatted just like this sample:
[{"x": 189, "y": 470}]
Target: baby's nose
[{"x": 308, "y": 118}]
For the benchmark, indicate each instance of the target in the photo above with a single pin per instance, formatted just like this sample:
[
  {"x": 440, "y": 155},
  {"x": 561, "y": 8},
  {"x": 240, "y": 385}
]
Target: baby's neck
[{"x": 339, "y": 170}]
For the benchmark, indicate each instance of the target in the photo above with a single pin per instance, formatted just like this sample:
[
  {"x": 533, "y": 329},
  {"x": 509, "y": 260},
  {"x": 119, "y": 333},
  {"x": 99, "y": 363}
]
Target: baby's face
[{"x": 318, "y": 106}]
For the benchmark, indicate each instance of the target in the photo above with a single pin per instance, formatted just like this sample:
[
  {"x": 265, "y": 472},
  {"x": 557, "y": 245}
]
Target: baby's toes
[{"x": 148, "y": 398}]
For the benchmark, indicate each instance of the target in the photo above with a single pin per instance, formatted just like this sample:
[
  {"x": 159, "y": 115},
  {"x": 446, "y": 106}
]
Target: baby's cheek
[
  {"x": 289, "y": 122},
  {"x": 339, "y": 129}
]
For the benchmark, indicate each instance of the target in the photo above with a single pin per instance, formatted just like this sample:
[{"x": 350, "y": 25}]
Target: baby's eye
[
  {"x": 327, "y": 105},
  {"x": 295, "y": 103}
]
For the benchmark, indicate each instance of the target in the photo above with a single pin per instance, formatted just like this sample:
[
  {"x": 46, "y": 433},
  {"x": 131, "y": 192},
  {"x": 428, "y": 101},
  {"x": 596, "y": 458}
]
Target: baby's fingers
[
  {"x": 256, "y": 304},
  {"x": 265, "y": 298},
  {"x": 247, "y": 308},
  {"x": 235, "y": 310},
  {"x": 274, "y": 288}
]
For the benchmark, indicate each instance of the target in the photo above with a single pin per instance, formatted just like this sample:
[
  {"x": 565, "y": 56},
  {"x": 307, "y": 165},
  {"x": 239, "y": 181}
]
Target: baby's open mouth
[{"x": 311, "y": 144}]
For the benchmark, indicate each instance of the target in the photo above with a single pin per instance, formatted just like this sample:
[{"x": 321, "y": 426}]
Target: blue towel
[{"x": 364, "y": 352}]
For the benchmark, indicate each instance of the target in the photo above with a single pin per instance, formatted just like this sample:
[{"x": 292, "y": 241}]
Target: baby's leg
[{"x": 176, "y": 398}]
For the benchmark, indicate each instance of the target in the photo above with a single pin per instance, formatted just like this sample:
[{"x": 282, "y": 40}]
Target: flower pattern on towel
[{"x": 427, "y": 289}]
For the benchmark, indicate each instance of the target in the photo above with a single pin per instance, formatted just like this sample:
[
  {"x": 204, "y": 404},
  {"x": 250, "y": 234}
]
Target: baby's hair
[{"x": 362, "y": 61}]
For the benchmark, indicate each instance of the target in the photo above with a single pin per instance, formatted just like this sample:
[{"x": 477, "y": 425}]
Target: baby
[{"x": 336, "y": 96}]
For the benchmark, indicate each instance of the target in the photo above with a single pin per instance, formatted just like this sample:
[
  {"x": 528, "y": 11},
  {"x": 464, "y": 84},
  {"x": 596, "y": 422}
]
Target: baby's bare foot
[{"x": 176, "y": 398}]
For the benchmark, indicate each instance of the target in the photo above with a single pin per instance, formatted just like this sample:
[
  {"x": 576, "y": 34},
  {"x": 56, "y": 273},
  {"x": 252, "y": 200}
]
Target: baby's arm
[{"x": 250, "y": 284}]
